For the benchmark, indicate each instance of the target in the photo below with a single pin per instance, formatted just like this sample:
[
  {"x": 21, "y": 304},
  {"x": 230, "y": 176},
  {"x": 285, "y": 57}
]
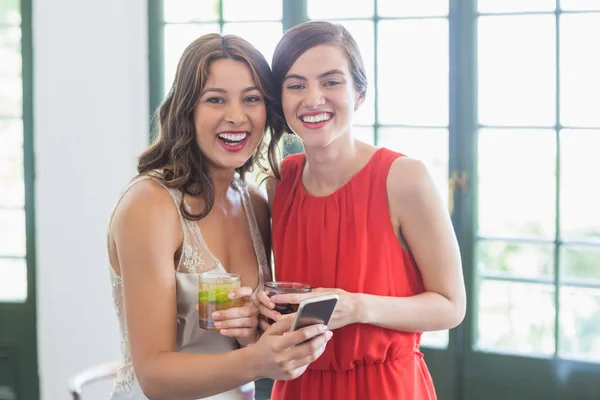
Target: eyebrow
[
  {"x": 323, "y": 75},
  {"x": 221, "y": 90}
]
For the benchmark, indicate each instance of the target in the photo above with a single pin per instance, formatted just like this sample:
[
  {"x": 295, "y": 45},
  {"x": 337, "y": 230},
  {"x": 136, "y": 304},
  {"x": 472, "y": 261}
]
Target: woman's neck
[
  {"x": 329, "y": 168},
  {"x": 222, "y": 179}
]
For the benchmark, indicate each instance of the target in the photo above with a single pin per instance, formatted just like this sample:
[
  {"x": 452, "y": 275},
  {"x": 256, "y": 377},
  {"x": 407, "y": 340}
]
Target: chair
[{"x": 89, "y": 375}]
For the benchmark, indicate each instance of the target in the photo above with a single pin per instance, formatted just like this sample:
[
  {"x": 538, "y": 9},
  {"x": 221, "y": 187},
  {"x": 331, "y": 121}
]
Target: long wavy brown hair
[{"x": 175, "y": 151}]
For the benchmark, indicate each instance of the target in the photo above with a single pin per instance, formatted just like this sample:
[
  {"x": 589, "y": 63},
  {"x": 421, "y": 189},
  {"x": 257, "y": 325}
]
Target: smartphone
[{"x": 315, "y": 310}]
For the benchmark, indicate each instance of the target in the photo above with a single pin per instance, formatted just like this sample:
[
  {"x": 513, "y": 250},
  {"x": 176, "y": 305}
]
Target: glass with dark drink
[{"x": 273, "y": 288}]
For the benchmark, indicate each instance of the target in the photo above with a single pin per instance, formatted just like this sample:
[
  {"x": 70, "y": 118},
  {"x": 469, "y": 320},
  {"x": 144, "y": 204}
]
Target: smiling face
[
  {"x": 230, "y": 115},
  {"x": 318, "y": 96}
]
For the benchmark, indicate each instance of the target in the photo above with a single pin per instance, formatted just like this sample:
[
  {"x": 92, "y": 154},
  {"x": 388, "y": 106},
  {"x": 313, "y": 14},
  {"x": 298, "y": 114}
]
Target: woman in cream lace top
[{"x": 189, "y": 211}]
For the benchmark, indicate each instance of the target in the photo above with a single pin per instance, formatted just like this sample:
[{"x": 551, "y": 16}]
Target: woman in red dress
[{"x": 363, "y": 222}]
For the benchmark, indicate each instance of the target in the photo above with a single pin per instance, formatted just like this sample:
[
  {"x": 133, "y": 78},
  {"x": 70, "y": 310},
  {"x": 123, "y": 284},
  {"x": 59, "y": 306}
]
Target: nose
[
  {"x": 235, "y": 114},
  {"x": 314, "y": 97}
]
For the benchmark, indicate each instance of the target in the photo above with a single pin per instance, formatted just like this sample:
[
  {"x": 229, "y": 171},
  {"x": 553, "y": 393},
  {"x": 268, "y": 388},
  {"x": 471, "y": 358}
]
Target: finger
[
  {"x": 240, "y": 292},
  {"x": 315, "y": 353},
  {"x": 263, "y": 323},
  {"x": 250, "y": 322},
  {"x": 235, "y": 312},
  {"x": 281, "y": 326},
  {"x": 239, "y": 332},
  {"x": 323, "y": 290},
  {"x": 265, "y": 300},
  {"x": 268, "y": 313},
  {"x": 291, "y": 298},
  {"x": 310, "y": 350},
  {"x": 301, "y": 335},
  {"x": 294, "y": 373}
]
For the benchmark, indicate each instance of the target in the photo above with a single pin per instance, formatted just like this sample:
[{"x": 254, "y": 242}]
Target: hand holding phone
[{"x": 315, "y": 310}]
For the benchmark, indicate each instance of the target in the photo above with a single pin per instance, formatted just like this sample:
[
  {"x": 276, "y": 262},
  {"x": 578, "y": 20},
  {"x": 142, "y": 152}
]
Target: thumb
[{"x": 282, "y": 326}]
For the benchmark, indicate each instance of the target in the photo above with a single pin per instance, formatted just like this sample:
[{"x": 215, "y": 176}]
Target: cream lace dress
[{"x": 195, "y": 257}]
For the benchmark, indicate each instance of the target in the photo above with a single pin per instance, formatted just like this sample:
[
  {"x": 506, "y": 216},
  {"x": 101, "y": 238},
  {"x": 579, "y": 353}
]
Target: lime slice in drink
[{"x": 217, "y": 295}]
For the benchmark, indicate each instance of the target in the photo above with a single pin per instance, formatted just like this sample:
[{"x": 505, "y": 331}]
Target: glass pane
[
  {"x": 263, "y": 35},
  {"x": 177, "y": 38},
  {"x": 10, "y": 72},
  {"x": 427, "y": 145},
  {"x": 522, "y": 260},
  {"x": 10, "y": 52},
  {"x": 413, "y": 74},
  {"x": 580, "y": 200},
  {"x": 580, "y": 323},
  {"x": 580, "y": 262},
  {"x": 255, "y": 10},
  {"x": 412, "y": 8},
  {"x": 12, "y": 193},
  {"x": 191, "y": 10},
  {"x": 579, "y": 66},
  {"x": 579, "y": 5},
  {"x": 517, "y": 62},
  {"x": 340, "y": 9},
  {"x": 516, "y": 318},
  {"x": 13, "y": 279},
  {"x": 436, "y": 340},
  {"x": 12, "y": 232},
  {"x": 364, "y": 133},
  {"x": 363, "y": 33},
  {"x": 511, "y": 162},
  {"x": 506, "y": 6},
  {"x": 10, "y": 12}
]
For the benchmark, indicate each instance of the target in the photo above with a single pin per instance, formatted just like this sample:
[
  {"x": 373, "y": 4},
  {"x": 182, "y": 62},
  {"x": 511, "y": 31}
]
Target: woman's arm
[
  {"x": 147, "y": 233},
  {"x": 417, "y": 208}
]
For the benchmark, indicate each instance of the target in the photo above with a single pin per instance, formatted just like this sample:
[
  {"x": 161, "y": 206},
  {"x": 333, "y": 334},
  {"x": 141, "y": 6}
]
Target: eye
[
  {"x": 253, "y": 99},
  {"x": 295, "y": 87},
  {"x": 216, "y": 100},
  {"x": 332, "y": 83}
]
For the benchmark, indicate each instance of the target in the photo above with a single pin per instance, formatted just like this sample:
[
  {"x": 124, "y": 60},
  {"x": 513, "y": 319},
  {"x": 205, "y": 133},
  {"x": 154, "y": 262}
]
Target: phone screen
[{"x": 315, "y": 312}]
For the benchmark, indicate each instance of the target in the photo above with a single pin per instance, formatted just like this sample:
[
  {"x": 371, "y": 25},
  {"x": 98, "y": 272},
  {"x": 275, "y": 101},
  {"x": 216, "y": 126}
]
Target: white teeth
[
  {"x": 316, "y": 118},
  {"x": 233, "y": 137}
]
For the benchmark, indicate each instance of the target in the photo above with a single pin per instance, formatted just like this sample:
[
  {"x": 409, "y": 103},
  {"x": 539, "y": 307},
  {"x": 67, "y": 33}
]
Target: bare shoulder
[
  {"x": 408, "y": 178},
  {"x": 146, "y": 204}
]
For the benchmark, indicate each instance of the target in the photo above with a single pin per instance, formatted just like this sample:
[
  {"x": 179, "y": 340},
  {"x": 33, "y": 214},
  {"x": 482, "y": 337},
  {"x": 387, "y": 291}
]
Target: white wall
[{"x": 90, "y": 114}]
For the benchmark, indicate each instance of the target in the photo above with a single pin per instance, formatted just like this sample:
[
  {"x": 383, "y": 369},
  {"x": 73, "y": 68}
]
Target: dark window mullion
[
  {"x": 557, "y": 244},
  {"x": 517, "y": 239},
  {"x": 8, "y": 257},
  {"x": 375, "y": 84},
  {"x": 294, "y": 13},
  {"x": 221, "y": 21},
  {"x": 508, "y": 277},
  {"x": 156, "y": 56}
]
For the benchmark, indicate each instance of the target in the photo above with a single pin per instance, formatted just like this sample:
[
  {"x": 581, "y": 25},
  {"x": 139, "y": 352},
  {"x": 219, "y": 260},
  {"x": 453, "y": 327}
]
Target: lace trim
[{"x": 192, "y": 258}]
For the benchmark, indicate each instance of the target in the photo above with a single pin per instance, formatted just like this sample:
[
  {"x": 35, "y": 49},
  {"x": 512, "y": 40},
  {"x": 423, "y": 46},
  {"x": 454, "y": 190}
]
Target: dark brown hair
[
  {"x": 175, "y": 150},
  {"x": 297, "y": 40}
]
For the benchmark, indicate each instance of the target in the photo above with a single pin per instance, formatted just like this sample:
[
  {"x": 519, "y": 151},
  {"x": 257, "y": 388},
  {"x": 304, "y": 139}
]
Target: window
[
  {"x": 500, "y": 98},
  {"x": 13, "y": 243},
  {"x": 258, "y": 21},
  {"x": 538, "y": 246}
]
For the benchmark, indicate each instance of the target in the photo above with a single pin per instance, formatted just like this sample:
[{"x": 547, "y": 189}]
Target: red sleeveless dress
[{"x": 346, "y": 240}]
